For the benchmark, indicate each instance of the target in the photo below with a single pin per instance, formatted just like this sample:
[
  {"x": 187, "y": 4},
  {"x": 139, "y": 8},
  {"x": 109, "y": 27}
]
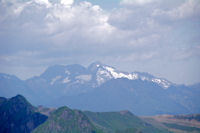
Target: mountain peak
[
  {"x": 125, "y": 112},
  {"x": 19, "y": 102},
  {"x": 95, "y": 65},
  {"x": 18, "y": 98},
  {"x": 19, "y": 116},
  {"x": 67, "y": 120},
  {"x": 8, "y": 77}
]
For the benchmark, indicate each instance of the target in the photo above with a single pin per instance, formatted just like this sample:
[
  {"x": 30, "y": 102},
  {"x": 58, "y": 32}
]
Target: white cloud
[
  {"x": 190, "y": 8},
  {"x": 187, "y": 9},
  {"x": 59, "y": 23},
  {"x": 136, "y": 2},
  {"x": 67, "y": 3},
  {"x": 64, "y": 31},
  {"x": 84, "y": 21},
  {"x": 43, "y": 2}
]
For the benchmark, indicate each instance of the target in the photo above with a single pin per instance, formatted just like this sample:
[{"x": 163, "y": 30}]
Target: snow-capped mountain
[
  {"x": 105, "y": 73},
  {"x": 100, "y": 87},
  {"x": 94, "y": 76}
]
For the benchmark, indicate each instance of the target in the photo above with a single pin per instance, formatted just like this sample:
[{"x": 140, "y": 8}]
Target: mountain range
[
  {"x": 19, "y": 116},
  {"x": 100, "y": 87}
]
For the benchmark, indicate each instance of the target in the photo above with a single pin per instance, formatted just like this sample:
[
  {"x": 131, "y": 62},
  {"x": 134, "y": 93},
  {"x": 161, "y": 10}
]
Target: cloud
[
  {"x": 39, "y": 33},
  {"x": 57, "y": 25},
  {"x": 189, "y": 53},
  {"x": 67, "y": 2},
  {"x": 136, "y": 2},
  {"x": 43, "y": 2},
  {"x": 190, "y": 8}
]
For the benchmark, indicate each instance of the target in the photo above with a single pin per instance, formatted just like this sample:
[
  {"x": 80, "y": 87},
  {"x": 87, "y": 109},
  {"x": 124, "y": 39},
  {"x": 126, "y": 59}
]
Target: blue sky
[
  {"x": 105, "y": 4},
  {"x": 156, "y": 36}
]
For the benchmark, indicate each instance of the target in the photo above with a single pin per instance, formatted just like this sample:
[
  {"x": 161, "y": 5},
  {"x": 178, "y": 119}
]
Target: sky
[{"x": 155, "y": 36}]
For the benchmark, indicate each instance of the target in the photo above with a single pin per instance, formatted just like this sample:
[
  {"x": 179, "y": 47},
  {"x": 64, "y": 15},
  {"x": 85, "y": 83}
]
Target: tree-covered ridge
[
  {"x": 122, "y": 122},
  {"x": 65, "y": 120},
  {"x": 18, "y": 115}
]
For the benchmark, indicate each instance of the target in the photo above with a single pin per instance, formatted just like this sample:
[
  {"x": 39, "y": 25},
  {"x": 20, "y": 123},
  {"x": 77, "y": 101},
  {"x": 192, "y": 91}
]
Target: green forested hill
[
  {"x": 122, "y": 122},
  {"x": 17, "y": 115},
  {"x": 65, "y": 120}
]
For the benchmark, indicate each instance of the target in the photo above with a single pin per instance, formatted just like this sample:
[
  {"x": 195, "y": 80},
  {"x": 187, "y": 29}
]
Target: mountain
[
  {"x": 66, "y": 120},
  {"x": 100, "y": 87},
  {"x": 122, "y": 122},
  {"x": 75, "y": 79},
  {"x": 117, "y": 94},
  {"x": 10, "y": 85},
  {"x": 18, "y": 115}
]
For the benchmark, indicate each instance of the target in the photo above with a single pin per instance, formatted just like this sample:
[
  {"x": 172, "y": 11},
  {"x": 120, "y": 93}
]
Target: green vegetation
[
  {"x": 180, "y": 127},
  {"x": 119, "y": 122},
  {"x": 67, "y": 120},
  {"x": 129, "y": 130},
  {"x": 18, "y": 115}
]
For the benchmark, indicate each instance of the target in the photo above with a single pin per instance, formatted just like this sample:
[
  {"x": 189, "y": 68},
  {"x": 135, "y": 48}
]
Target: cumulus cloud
[
  {"x": 57, "y": 25},
  {"x": 190, "y": 8},
  {"x": 136, "y": 2},
  {"x": 38, "y": 33},
  {"x": 43, "y": 2},
  {"x": 67, "y": 2}
]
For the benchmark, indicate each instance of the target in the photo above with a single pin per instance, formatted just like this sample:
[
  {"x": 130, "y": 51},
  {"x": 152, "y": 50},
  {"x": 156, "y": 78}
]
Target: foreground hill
[
  {"x": 17, "y": 115},
  {"x": 65, "y": 120},
  {"x": 122, "y": 122},
  {"x": 100, "y": 87}
]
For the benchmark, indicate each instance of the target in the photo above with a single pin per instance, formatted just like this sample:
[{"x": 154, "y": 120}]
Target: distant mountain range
[{"x": 100, "y": 87}]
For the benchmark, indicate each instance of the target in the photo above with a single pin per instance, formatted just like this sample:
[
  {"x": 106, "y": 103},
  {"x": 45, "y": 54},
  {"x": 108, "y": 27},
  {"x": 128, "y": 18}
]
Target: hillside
[
  {"x": 122, "y": 122},
  {"x": 18, "y": 115},
  {"x": 65, "y": 120}
]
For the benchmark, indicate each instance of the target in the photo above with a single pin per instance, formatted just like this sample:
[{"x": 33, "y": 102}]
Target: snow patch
[
  {"x": 120, "y": 74},
  {"x": 144, "y": 78},
  {"x": 102, "y": 76},
  {"x": 66, "y": 80},
  {"x": 84, "y": 77},
  {"x": 55, "y": 79},
  {"x": 158, "y": 81},
  {"x": 163, "y": 83},
  {"x": 67, "y": 72},
  {"x": 103, "y": 73},
  {"x": 100, "y": 80},
  {"x": 109, "y": 72}
]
